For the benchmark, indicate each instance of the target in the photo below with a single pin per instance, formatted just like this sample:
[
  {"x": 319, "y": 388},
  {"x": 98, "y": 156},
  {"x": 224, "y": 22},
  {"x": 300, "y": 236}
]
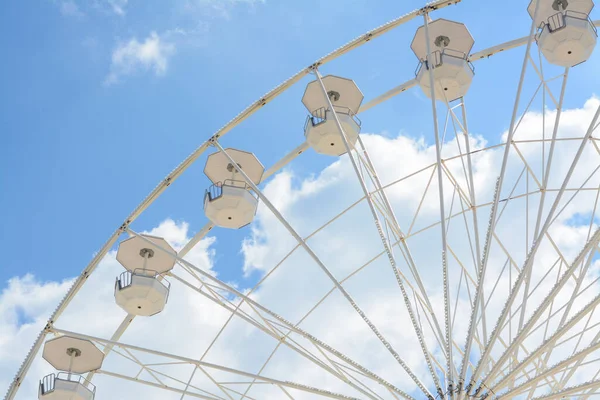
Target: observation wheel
[{"x": 459, "y": 270}]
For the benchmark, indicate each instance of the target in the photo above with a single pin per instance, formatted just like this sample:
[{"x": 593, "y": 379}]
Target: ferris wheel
[{"x": 480, "y": 288}]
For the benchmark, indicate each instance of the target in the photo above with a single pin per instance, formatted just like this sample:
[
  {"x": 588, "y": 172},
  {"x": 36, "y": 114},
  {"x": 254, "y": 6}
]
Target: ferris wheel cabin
[
  {"x": 449, "y": 43},
  {"x": 566, "y": 35},
  {"x": 320, "y": 130},
  {"x": 73, "y": 357},
  {"x": 230, "y": 202},
  {"x": 142, "y": 289}
]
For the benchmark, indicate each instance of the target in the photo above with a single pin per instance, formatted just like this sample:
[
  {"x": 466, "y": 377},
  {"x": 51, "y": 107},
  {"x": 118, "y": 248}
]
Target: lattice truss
[{"x": 492, "y": 313}]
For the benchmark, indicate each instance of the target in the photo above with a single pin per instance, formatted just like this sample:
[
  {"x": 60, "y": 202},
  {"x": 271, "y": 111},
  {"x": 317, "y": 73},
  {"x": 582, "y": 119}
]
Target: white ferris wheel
[{"x": 491, "y": 286}]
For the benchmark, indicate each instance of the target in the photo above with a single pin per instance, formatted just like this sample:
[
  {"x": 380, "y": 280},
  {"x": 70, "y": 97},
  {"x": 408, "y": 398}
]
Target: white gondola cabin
[
  {"x": 449, "y": 43},
  {"x": 230, "y": 202},
  {"x": 142, "y": 289},
  {"x": 65, "y": 386},
  {"x": 566, "y": 36},
  {"x": 320, "y": 130},
  {"x": 73, "y": 356},
  {"x": 141, "y": 293}
]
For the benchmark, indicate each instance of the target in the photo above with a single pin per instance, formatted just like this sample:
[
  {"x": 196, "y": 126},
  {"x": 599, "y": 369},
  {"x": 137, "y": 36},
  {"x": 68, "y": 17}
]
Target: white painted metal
[
  {"x": 321, "y": 134},
  {"x": 567, "y": 38},
  {"x": 443, "y": 46},
  {"x": 529, "y": 367},
  {"x": 387, "y": 95},
  {"x": 452, "y": 73},
  {"x": 63, "y": 387},
  {"x": 325, "y": 90},
  {"x": 438, "y": 149},
  {"x": 176, "y": 173},
  {"x": 489, "y": 345},
  {"x": 141, "y": 293},
  {"x": 287, "y": 324},
  {"x": 132, "y": 254},
  {"x": 320, "y": 130},
  {"x": 230, "y": 204},
  {"x": 316, "y": 259},
  {"x": 72, "y": 354},
  {"x": 187, "y": 360},
  {"x": 219, "y": 169},
  {"x": 548, "y": 8},
  {"x": 343, "y": 93},
  {"x": 531, "y": 255}
]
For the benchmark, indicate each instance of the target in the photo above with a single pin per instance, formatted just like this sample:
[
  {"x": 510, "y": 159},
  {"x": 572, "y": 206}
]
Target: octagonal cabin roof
[
  {"x": 345, "y": 94},
  {"x": 548, "y": 8},
  {"x": 218, "y": 168},
  {"x": 130, "y": 254},
  {"x": 443, "y": 33},
  {"x": 87, "y": 357}
]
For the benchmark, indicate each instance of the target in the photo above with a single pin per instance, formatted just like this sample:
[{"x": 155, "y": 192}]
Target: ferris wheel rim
[{"x": 225, "y": 129}]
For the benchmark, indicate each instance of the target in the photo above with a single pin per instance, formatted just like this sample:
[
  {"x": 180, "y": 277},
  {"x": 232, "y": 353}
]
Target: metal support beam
[
  {"x": 204, "y": 364},
  {"x": 281, "y": 320},
  {"x": 589, "y": 246},
  {"x": 572, "y": 390},
  {"x": 377, "y": 222},
  {"x": 531, "y": 256},
  {"x": 446, "y": 283},
  {"x": 546, "y": 346},
  {"x": 511, "y": 132},
  {"x": 580, "y": 355},
  {"x": 318, "y": 261}
]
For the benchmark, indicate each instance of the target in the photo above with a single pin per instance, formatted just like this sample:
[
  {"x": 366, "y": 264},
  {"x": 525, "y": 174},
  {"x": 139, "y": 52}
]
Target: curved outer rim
[{"x": 271, "y": 95}]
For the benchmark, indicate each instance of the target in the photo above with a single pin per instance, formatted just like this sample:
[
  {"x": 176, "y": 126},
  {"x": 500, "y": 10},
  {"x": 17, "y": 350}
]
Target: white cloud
[
  {"x": 152, "y": 54},
  {"x": 190, "y": 321}
]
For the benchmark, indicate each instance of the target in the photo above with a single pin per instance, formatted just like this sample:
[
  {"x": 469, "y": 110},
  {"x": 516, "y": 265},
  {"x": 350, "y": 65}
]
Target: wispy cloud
[
  {"x": 152, "y": 54},
  {"x": 78, "y": 8},
  {"x": 218, "y": 8},
  {"x": 117, "y": 6},
  {"x": 71, "y": 9}
]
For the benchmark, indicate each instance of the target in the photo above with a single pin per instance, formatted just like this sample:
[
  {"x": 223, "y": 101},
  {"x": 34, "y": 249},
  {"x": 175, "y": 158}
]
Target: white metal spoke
[
  {"x": 327, "y": 272},
  {"x": 530, "y": 257},
  {"x": 445, "y": 278},
  {"x": 385, "y": 242},
  {"x": 279, "y": 319},
  {"x": 544, "y": 346},
  {"x": 190, "y": 361}
]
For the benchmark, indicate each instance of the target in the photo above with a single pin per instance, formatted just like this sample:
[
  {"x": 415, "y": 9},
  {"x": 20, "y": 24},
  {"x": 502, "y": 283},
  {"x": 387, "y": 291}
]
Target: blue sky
[{"x": 85, "y": 138}]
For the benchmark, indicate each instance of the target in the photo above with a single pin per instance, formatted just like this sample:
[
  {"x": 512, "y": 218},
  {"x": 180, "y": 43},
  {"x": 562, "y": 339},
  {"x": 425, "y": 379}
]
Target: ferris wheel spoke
[
  {"x": 577, "y": 358},
  {"x": 571, "y": 390},
  {"x": 158, "y": 385},
  {"x": 277, "y": 320},
  {"x": 539, "y": 72},
  {"x": 485, "y": 355},
  {"x": 547, "y": 345},
  {"x": 387, "y": 243},
  {"x": 184, "y": 360},
  {"x": 576, "y": 191},
  {"x": 590, "y": 245},
  {"x": 478, "y": 295},
  {"x": 445, "y": 278},
  {"x": 530, "y": 257},
  {"x": 595, "y": 343},
  {"x": 272, "y": 329},
  {"x": 129, "y": 317},
  {"x": 341, "y": 289}
]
